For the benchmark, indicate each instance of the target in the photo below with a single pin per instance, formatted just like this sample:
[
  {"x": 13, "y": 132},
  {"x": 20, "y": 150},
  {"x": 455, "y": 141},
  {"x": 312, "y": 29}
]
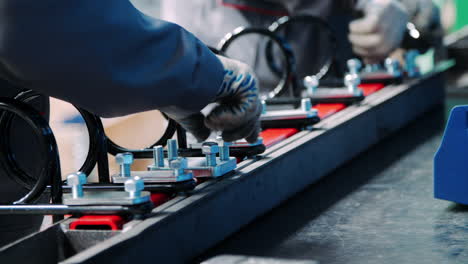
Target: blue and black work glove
[{"x": 237, "y": 111}]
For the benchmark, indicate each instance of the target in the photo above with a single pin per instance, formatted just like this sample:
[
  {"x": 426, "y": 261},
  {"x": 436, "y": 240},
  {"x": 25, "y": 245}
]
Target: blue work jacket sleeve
[{"x": 105, "y": 56}]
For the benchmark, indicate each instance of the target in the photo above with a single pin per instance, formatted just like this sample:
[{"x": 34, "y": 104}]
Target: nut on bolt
[
  {"x": 354, "y": 66},
  {"x": 210, "y": 149},
  {"x": 311, "y": 84},
  {"x": 134, "y": 186},
  {"x": 124, "y": 158},
  {"x": 224, "y": 152},
  {"x": 76, "y": 181}
]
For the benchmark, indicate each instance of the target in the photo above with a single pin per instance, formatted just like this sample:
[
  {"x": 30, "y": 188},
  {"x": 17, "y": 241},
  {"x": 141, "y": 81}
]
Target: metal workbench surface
[{"x": 378, "y": 208}]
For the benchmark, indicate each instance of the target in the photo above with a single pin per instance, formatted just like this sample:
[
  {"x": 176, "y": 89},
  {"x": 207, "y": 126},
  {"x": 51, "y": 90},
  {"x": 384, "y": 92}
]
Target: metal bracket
[
  {"x": 106, "y": 198},
  {"x": 200, "y": 168},
  {"x": 156, "y": 175}
]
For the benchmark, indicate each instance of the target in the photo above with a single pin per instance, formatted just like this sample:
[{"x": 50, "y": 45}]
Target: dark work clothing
[
  {"x": 102, "y": 55},
  {"x": 105, "y": 56}
]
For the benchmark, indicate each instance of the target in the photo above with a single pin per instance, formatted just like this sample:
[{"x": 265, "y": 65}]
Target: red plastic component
[
  {"x": 99, "y": 222},
  {"x": 160, "y": 198},
  {"x": 275, "y": 135},
  {"x": 326, "y": 110},
  {"x": 371, "y": 88}
]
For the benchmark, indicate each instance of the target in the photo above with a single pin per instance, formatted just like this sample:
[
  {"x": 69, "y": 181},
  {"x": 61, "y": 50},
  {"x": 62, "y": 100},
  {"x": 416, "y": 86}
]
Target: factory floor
[{"x": 378, "y": 208}]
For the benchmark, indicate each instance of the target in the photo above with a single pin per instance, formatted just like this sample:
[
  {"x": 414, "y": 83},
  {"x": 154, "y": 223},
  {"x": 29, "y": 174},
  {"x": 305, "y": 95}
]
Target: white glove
[
  {"x": 238, "y": 112},
  {"x": 380, "y": 31}
]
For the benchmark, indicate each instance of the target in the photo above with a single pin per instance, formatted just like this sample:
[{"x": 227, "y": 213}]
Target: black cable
[
  {"x": 288, "y": 79},
  {"x": 286, "y": 21},
  {"x": 50, "y": 173}
]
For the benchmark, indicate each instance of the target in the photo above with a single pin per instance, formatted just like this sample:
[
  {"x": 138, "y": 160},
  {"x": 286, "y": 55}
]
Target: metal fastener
[
  {"x": 354, "y": 66},
  {"x": 172, "y": 149},
  {"x": 393, "y": 67},
  {"x": 178, "y": 167},
  {"x": 306, "y": 104},
  {"x": 158, "y": 156},
  {"x": 352, "y": 82},
  {"x": 125, "y": 160},
  {"x": 210, "y": 149},
  {"x": 76, "y": 181},
  {"x": 224, "y": 154},
  {"x": 264, "y": 107},
  {"x": 311, "y": 84},
  {"x": 372, "y": 68},
  {"x": 411, "y": 65},
  {"x": 134, "y": 186}
]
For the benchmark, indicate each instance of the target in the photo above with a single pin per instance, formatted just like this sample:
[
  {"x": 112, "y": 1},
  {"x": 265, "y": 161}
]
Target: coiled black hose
[
  {"x": 97, "y": 152},
  {"x": 283, "y": 22},
  {"x": 99, "y": 146},
  {"x": 50, "y": 172},
  {"x": 288, "y": 79}
]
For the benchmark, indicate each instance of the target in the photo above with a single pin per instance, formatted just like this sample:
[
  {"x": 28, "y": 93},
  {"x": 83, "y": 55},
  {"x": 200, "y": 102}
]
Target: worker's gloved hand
[
  {"x": 238, "y": 107},
  {"x": 380, "y": 31},
  {"x": 238, "y": 111}
]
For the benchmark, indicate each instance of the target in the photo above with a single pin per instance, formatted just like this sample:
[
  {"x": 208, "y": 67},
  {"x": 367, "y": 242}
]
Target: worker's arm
[{"x": 105, "y": 56}]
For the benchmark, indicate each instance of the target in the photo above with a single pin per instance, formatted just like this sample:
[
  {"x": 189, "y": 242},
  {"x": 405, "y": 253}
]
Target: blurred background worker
[
  {"x": 372, "y": 29},
  {"x": 110, "y": 59}
]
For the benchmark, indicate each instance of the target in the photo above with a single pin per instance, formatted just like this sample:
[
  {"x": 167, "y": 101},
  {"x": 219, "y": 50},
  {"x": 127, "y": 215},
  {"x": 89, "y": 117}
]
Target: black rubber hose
[
  {"x": 288, "y": 78},
  {"x": 95, "y": 131},
  {"x": 283, "y": 22},
  {"x": 50, "y": 172}
]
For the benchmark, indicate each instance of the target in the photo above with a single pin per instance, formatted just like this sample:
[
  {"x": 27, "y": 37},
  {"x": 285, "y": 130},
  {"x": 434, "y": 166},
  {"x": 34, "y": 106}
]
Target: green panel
[{"x": 462, "y": 14}]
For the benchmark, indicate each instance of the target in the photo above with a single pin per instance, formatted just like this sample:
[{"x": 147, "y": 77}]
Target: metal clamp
[{"x": 133, "y": 194}]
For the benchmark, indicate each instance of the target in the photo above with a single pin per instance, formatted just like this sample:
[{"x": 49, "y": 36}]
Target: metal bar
[{"x": 48, "y": 209}]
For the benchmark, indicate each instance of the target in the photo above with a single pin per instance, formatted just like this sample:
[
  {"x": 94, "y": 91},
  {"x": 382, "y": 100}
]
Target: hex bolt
[
  {"x": 352, "y": 82},
  {"x": 224, "y": 154},
  {"x": 411, "y": 65},
  {"x": 306, "y": 104},
  {"x": 125, "y": 161},
  {"x": 264, "y": 107},
  {"x": 311, "y": 83},
  {"x": 371, "y": 68},
  {"x": 158, "y": 156},
  {"x": 172, "y": 149},
  {"x": 354, "y": 66},
  {"x": 177, "y": 166},
  {"x": 393, "y": 67},
  {"x": 134, "y": 186},
  {"x": 210, "y": 149},
  {"x": 76, "y": 181}
]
